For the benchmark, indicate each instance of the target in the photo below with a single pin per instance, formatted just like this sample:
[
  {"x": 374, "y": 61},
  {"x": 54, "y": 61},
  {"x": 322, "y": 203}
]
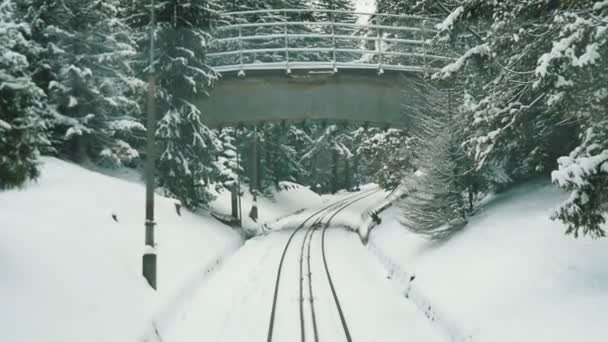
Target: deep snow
[
  {"x": 512, "y": 275},
  {"x": 70, "y": 272},
  {"x": 235, "y": 303}
]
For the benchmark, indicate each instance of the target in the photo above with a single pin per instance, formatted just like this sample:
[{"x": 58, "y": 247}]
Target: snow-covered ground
[
  {"x": 70, "y": 272},
  {"x": 235, "y": 303},
  {"x": 350, "y": 217},
  {"x": 290, "y": 199},
  {"x": 512, "y": 275},
  {"x": 71, "y": 245}
]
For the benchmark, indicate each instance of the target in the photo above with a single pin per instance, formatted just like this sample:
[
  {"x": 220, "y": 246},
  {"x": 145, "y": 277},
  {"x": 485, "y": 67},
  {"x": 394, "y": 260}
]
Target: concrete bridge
[{"x": 351, "y": 72}]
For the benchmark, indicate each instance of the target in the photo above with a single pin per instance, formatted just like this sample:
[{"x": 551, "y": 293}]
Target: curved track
[{"x": 333, "y": 209}]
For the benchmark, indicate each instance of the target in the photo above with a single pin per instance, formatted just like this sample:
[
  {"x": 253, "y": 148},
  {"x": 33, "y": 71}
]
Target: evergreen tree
[
  {"x": 437, "y": 204},
  {"x": 22, "y": 133},
  {"x": 541, "y": 74},
  {"x": 188, "y": 148},
  {"x": 387, "y": 155},
  {"x": 227, "y": 162},
  {"x": 88, "y": 78}
]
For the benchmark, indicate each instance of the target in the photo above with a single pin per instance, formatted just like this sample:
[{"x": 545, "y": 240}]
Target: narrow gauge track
[{"x": 339, "y": 206}]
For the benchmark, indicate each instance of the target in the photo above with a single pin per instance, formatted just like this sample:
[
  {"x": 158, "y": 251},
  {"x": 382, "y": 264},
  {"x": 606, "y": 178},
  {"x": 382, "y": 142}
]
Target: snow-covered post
[
  {"x": 379, "y": 44},
  {"x": 149, "y": 256},
  {"x": 333, "y": 41},
  {"x": 286, "y": 32}
]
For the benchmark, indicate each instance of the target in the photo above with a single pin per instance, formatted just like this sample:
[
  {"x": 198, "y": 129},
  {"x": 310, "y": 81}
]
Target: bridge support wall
[{"x": 349, "y": 96}]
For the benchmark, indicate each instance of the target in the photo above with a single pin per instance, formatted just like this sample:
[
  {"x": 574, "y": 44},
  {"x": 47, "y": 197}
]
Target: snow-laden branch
[
  {"x": 452, "y": 68},
  {"x": 449, "y": 21}
]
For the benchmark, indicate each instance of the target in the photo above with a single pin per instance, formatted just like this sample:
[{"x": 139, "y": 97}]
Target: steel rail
[
  {"x": 282, "y": 260},
  {"x": 312, "y": 306},
  {"x": 329, "y": 279},
  {"x": 301, "y": 304}
]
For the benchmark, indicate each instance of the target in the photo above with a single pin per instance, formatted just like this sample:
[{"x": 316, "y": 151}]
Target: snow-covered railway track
[{"x": 329, "y": 211}]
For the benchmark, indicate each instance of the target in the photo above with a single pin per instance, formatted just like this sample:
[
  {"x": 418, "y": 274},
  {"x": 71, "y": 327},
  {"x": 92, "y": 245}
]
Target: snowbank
[
  {"x": 511, "y": 276},
  {"x": 290, "y": 199},
  {"x": 70, "y": 257}
]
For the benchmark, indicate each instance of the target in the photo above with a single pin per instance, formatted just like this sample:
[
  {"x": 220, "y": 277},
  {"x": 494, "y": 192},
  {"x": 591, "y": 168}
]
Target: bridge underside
[{"x": 346, "y": 96}]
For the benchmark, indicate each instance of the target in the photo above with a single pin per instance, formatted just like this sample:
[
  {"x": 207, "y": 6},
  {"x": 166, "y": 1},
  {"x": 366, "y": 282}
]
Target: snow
[
  {"x": 70, "y": 272},
  {"x": 72, "y": 102},
  {"x": 448, "y": 23},
  {"x": 126, "y": 125},
  {"x": 235, "y": 303},
  {"x": 364, "y": 6},
  {"x": 512, "y": 275},
  {"x": 454, "y": 67},
  {"x": 350, "y": 218},
  {"x": 600, "y": 5},
  {"x": 5, "y": 125},
  {"x": 290, "y": 199}
]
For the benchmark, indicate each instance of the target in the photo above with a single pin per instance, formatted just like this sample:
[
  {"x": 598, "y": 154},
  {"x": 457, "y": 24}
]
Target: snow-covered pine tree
[
  {"x": 577, "y": 71},
  {"x": 442, "y": 191},
  {"x": 328, "y": 159},
  {"x": 188, "y": 149},
  {"x": 337, "y": 17},
  {"x": 387, "y": 155},
  {"x": 89, "y": 79},
  {"x": 543, "y": 71},
  {"x": 22, "y": 132},
  {"x": 280, "y": 157},
  {"x": 227, "y": 162}
]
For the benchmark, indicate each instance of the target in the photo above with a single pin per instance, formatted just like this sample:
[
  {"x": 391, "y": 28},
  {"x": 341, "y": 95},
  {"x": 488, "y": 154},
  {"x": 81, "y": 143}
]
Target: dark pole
[
  {"x": 238, "y": 179},
  {"x": 255, "y": 176},
  {"x": 149, "y": 257}
]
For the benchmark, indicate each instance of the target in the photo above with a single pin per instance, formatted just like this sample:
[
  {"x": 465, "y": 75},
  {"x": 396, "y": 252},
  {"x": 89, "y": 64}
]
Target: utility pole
[
  {"x": 253, "y": 214},
  {"x": 238, "y": 182},
  {"x": 149, "y": 257}
]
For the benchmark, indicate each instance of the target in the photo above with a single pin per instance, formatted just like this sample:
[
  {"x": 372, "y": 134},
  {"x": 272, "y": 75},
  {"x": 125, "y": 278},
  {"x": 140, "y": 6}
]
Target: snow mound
[
  {"x": 70, "y": 257},
  {"x": 289, "y": 199},
  {"x": 511, "y": 276}
]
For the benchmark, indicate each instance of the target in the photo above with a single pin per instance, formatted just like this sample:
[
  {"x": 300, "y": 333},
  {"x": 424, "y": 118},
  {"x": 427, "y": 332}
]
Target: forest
[{"x": 527, "y": 97}]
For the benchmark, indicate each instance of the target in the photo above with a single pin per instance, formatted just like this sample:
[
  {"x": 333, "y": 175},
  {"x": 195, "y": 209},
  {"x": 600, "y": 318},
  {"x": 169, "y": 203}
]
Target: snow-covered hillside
[
  {"x": 511, "y": 276},
  {"x": 69, "y": 271}
]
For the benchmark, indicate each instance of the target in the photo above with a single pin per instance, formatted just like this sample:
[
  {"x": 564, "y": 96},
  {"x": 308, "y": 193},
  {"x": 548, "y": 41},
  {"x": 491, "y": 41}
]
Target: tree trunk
[{"x": 334, "y": 171}]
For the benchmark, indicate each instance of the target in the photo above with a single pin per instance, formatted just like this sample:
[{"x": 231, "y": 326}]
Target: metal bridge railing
[{"x": 289, "y": 39}]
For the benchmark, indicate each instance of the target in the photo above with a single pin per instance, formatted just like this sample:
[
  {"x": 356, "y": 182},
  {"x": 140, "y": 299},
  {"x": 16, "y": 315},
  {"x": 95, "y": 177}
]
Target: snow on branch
[
  {"x": 600, "y": 5},
  {"x": 448, "y": 23},
  {"x": 450, "y": 69}
]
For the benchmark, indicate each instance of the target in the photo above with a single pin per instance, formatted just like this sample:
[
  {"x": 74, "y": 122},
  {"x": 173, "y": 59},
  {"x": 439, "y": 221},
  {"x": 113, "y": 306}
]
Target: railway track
[{"x": 329, "y": 211}]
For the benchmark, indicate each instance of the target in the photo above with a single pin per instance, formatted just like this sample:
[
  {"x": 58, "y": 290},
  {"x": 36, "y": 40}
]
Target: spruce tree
[
  {"x": 188, "y": 148},
  {"x": 87, "y": 75},
  {"x": 22, "y": 132}
]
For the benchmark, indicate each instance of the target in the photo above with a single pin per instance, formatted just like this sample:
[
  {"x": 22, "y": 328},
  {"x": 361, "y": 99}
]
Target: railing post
[
  {"x": 286, "y": 43},
  {"x": 379, "y": 46},
  {"x": 241, "y": 71},
  {"x": 333, "y": 41}
]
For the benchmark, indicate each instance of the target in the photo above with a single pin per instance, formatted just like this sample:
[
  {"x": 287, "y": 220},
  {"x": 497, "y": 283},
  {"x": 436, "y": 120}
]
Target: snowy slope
[
  {"x": 511, "y": 276},
  {"x": 70, "y": 272}
]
